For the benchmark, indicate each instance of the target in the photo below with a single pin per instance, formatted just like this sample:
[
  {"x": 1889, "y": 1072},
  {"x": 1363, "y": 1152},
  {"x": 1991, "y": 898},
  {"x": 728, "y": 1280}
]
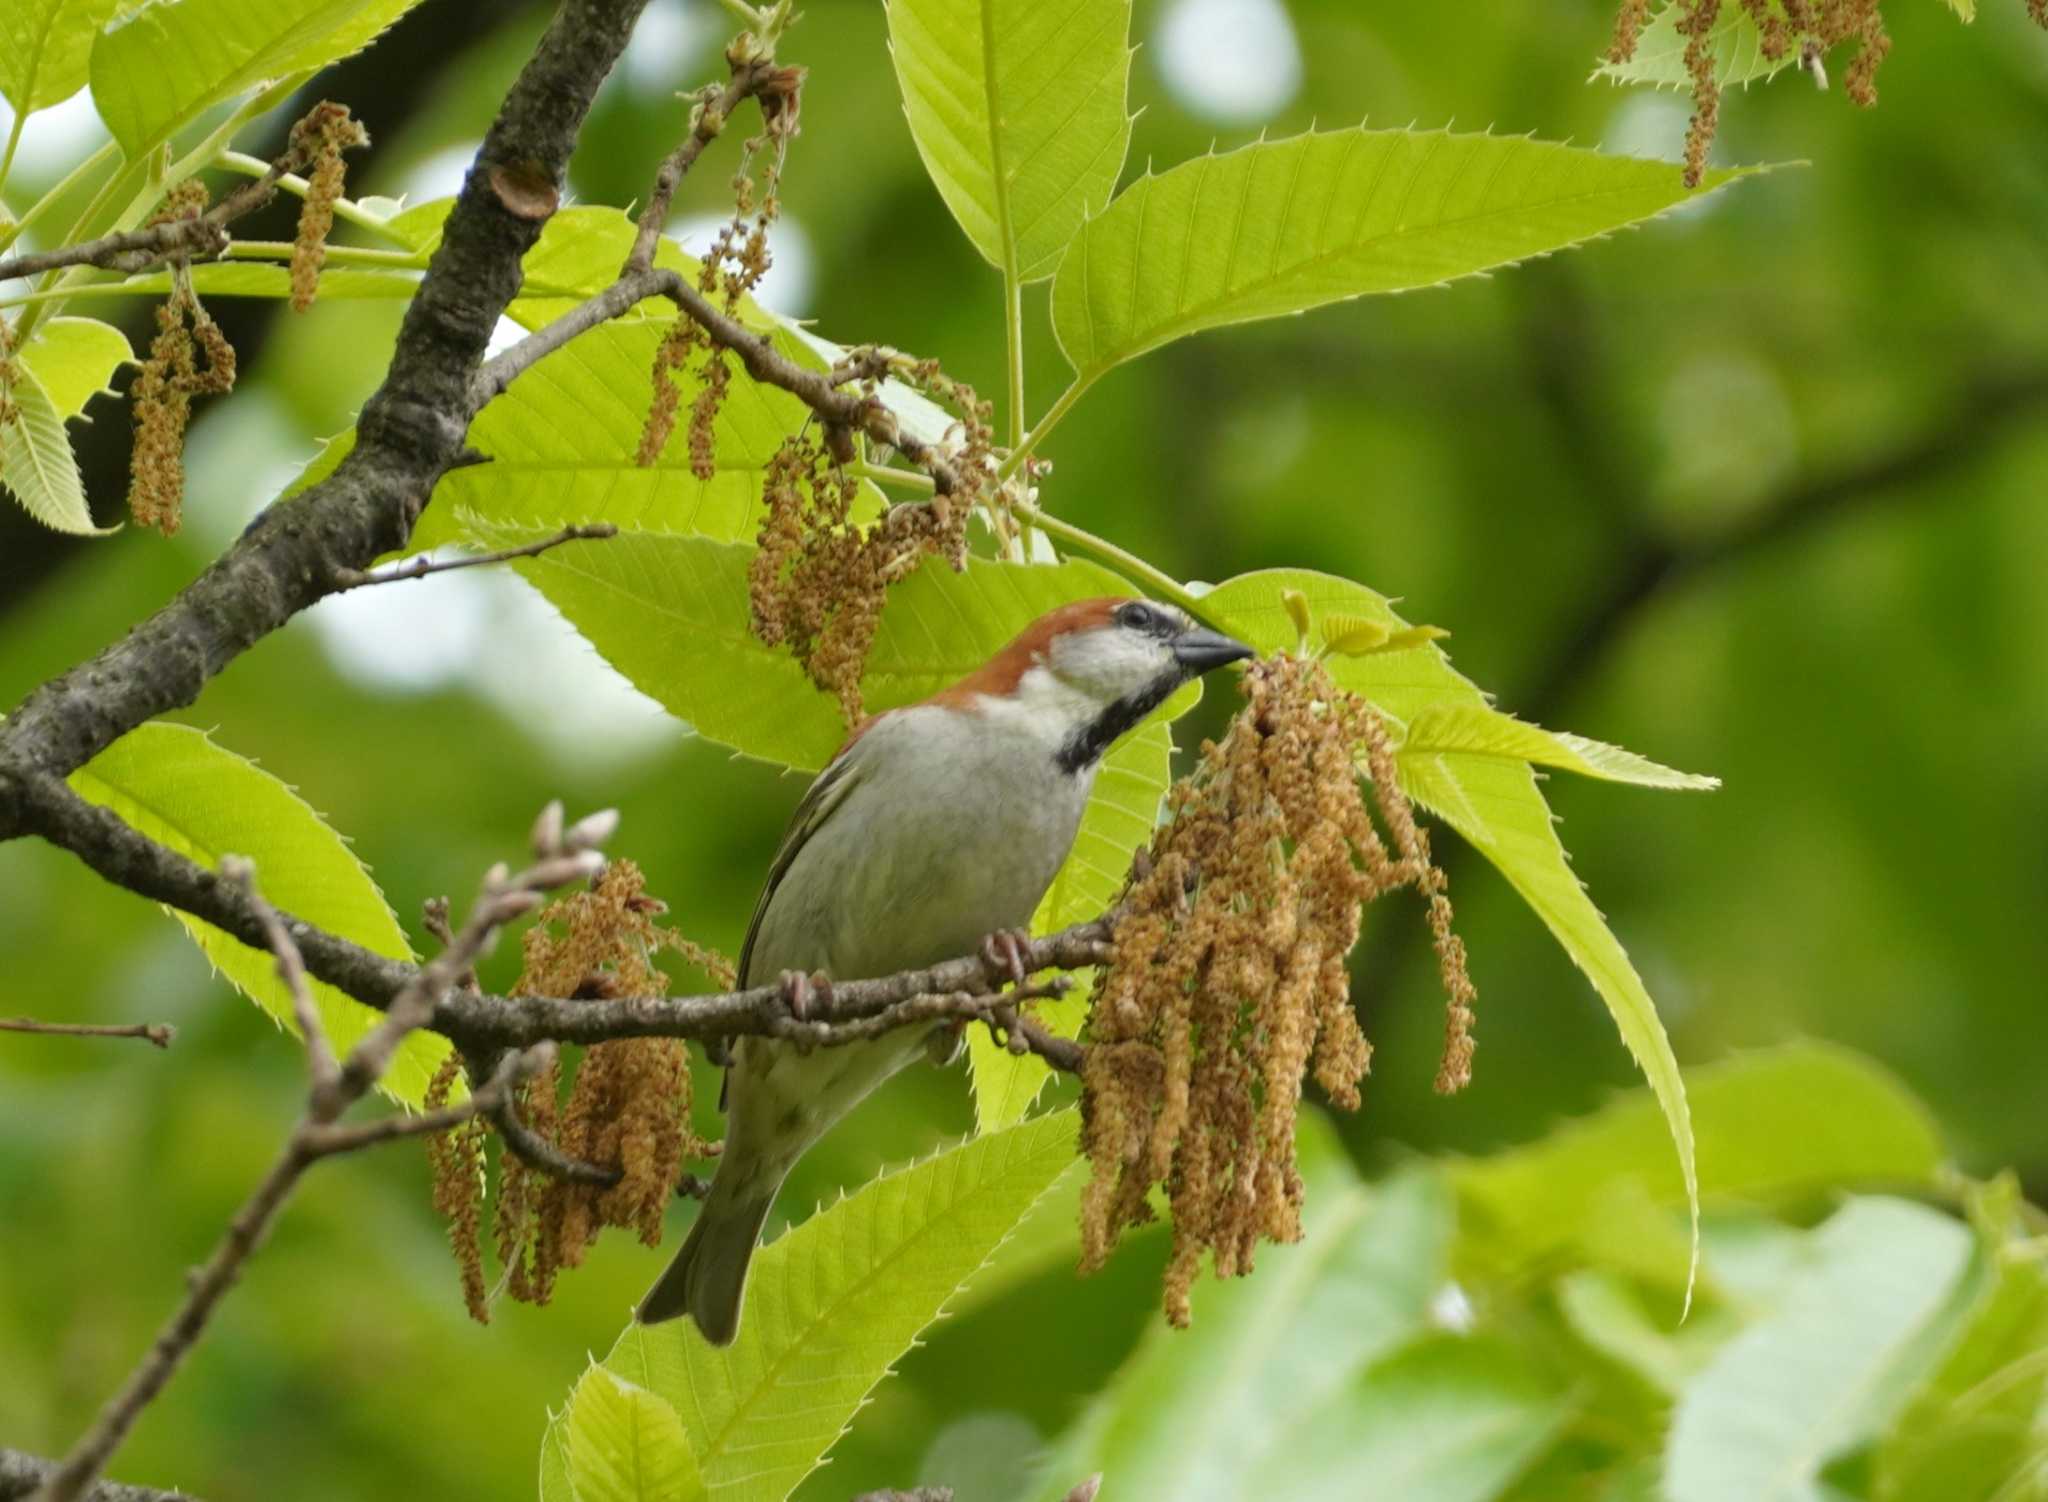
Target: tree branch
[
  {"x": 159, "y": 1033},
  {"x": 334, "y": 1087},
  {"x": 21, "y": 1474},
  {"x": 420, "y": 567},
  {"x": 411, "y": 430}
]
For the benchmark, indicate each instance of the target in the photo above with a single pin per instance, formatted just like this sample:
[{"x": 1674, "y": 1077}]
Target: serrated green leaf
[
  {"x": 1771, "y": 1125},
  {"x": 1450, "y": 1418},
  {"x": 176, "y": 786},
  {"x": 74, "y": 358},
  {"x": 44, "y": 46},
  {"x": 1495, "y": 804},
  {"x": 671, "y": 614},
  {"x": 1282, "y": 226},
  {"x": 1738, "y": 49},
  {"x": 1465, "y": 729},
  {"x": 1204, "y": 1414},
  {"x": 37, "y": 466},
  {"x": 1018, "y": 111},
  {"x": 832, "y": 1305},
  {"x": 554, "y": 1462},
  {"x": 622, "y": 1443},
  {"x": 1121, "y": 813},
  {"x": 159, "y": 66},
  {"x": 564, "y": 439},
  {"x": 1828, "y": 1367}
]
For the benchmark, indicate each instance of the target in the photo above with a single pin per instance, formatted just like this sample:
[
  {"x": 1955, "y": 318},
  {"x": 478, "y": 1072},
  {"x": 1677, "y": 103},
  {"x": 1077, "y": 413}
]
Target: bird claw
[
  {"x": 800, "y": 991},
  {"x": 1004, "y": 950}
]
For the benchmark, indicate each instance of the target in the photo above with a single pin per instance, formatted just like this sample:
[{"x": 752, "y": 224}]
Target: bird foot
[
  {"x": 801, "y": 993},
  {"x": 1004, "y": 950}
]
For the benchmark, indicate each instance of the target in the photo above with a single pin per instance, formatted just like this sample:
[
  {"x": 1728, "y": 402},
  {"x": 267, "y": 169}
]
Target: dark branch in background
[
  {"x": 21, "y": 1475},
  {"x": 335, "y": 1085},
  {"x": 1655, "y": 567},
  {"x": 159, "y": 1033}
]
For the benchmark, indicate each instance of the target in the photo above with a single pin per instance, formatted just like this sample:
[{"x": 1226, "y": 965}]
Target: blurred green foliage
[{"x": 1756, "y": 492}]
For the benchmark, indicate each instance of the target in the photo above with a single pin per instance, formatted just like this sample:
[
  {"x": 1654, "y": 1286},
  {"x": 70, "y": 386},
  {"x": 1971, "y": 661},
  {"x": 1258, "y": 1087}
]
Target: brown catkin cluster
[
  {"x": 1229, "y": 983},
  {"x": 317, "y": 143},
  {"x": 627, "y": 1107},
  {"x": 1808, "y": 28},
  {"x": 456, "y": 1159},
  {"x": 733, "y": 266},
  {"x": 9, "y": 374},
  {"x": 820, "y": 577},
  {"x": 163, "y": 391}
]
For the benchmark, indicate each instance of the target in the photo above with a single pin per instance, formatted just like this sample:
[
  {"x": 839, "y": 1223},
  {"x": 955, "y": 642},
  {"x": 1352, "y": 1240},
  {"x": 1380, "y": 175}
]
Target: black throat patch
[{"x": 1084, "y": 748}]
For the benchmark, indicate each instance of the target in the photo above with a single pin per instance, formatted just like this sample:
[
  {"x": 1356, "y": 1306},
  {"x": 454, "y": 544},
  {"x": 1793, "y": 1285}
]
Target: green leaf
[
  {"x": 625, "y": 1444},
  {"x": 1479, "y": 730},
  {"x": 1203, "y": 1415},
  {"x": 74, "y": 358},
  {"x": 1018, "y": 110},
  {"x": 1448, "y": 1418},
  {"x": 1771, "y": 1125},
  {"x": 1975, "y": 1425},
  {"x": 832, "y": 1305},
  {"x": 670, "y": 613},
  {"x": 1736, "y": 40},
  {"x": 563, "y": 441},
  {"x": 183, "y": 791},
  {"x": 44, "y": 45},
  {"x": 161, "y": 65},
  {"x": 1829, "y": 1366},
  {"x": 1283, "y": 226},
  {"x": 1119, "y": 818},
  {"x": 1495, "y": 804},
  {"x": 37, "y": 466}
]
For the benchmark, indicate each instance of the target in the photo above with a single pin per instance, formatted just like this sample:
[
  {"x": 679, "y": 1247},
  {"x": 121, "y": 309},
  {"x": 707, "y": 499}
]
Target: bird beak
[{"x": 1198, "y": 650}]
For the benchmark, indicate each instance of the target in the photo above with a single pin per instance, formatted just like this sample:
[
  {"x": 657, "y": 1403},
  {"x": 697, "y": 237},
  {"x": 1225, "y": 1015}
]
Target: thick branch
[{"x": 411, "y": 430}]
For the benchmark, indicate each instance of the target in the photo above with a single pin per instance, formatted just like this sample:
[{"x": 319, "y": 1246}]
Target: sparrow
[{"x": 937, "y": 825}]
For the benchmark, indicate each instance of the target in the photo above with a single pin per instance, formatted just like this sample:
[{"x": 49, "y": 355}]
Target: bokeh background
[{"x": 1760, "y": 490}]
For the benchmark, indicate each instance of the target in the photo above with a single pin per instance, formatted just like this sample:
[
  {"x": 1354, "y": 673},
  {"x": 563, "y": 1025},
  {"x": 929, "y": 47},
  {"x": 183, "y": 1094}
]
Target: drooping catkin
[
  {"x": 1228, "y": 983},
  {"x": 316, "y": 143},
  {"x": 627, "y": 1107}
]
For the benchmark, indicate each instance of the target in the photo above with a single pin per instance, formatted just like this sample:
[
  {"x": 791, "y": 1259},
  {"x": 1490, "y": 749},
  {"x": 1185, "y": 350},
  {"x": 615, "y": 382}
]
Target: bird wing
[{"x": 845, "y": 773}]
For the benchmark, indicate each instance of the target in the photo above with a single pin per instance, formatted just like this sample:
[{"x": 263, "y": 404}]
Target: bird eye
[{"x": 1139, "y": 616}]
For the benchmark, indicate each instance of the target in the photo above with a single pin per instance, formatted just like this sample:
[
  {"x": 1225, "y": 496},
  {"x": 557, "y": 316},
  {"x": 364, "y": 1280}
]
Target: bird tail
[{"x": 709, "y": 1274}]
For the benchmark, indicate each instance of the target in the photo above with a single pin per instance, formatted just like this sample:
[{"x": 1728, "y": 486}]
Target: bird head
[{"x": 1082, "y": 675}]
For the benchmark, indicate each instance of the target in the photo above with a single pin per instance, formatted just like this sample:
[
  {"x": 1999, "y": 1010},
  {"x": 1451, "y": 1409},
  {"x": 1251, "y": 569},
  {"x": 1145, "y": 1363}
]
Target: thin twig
[
  {"x": 159, "y": 1033},
  {"x": 420, "y": 567},
  {"x": 200, "y": 238},
  {"x": 707, "y": 121},
  {"x": 321, "y": 1064},
  {"x": 317, "y": 1134}
]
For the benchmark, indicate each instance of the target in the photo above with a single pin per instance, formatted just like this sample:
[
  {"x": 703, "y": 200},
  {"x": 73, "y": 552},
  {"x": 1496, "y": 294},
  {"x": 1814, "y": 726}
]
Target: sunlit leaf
[
  {"x": 160, "y": 65},
  {"x": 832, "y": 1305},
  {"x": 37, "y": 466},
  {"x": 623, "y": 1443},
  {"x": 1829, "y": 1366},
  {"x": 177, "y": 787},
  {"x": 1494, "y": 803},
  {"x": 74, "y": 358},
  {"x": 1207, "y": 1413},
  {"x": 44, "y": 46},
  {"x": 1282, "y": 226},
  {"x": 1477, "y": 730},
  {"x": 1017, "y": 108}
]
